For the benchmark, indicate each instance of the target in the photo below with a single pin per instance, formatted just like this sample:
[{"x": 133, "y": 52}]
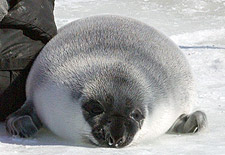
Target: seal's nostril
[
  {"x": 121, "y": 141},
  {"x": 111, "y": 141},
  {"x": 115, "y": 143}
]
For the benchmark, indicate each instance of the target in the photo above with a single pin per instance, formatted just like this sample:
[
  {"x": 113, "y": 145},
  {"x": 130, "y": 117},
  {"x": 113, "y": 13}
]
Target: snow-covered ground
[{"x": 187, "y": 22}]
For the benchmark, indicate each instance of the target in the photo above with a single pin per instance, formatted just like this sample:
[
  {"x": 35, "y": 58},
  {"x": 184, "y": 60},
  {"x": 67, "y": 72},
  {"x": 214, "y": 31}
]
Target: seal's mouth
[{"x": 104, "y": 139}]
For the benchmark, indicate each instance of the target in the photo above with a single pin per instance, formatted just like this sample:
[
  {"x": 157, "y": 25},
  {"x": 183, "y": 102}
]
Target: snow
[{"x": 187, "y": 22}]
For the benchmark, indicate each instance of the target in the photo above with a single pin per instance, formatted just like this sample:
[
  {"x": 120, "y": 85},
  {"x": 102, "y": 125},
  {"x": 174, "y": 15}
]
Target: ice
[
  {"x": 187, "y": 22},
  {"x": 205, "y": 37}
]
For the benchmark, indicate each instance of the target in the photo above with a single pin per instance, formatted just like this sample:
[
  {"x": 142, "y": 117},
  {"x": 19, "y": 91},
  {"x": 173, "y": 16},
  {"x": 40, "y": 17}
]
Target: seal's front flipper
[
  {"x": 24, "y": 122},
  {"x": 189, "y": 123}
]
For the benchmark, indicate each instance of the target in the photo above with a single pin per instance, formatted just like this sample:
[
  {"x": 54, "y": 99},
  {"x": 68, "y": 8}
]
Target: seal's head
[{"x": 114, "y": 109}]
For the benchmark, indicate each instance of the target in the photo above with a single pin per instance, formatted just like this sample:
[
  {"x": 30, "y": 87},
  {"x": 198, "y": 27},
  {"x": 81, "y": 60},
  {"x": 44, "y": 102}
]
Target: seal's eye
[
  {"x": 93, "y": 108},
  {"x": 136, "y": 115},
  {"x": 97, "y": 109}
]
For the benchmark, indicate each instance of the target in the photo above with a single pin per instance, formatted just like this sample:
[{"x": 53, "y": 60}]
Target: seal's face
[{"x": 113, "y": 123}]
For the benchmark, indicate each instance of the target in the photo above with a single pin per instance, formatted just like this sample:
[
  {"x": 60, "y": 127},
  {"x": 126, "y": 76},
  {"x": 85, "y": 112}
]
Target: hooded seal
[{"x": 108, "y": 79}]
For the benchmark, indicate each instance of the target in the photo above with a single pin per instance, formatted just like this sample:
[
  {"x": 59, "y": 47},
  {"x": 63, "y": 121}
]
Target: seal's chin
[{"x": 93, "y": 141}]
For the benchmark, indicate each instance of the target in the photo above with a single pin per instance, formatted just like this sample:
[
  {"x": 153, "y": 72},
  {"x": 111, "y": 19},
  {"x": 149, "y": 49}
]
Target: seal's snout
[
  {"x": 116, "y": 135},
  {"x": 116, "y": 141}
]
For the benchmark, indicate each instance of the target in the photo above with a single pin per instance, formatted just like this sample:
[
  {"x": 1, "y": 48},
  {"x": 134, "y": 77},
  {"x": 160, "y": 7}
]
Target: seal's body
[{"x": 107, "y": 78}]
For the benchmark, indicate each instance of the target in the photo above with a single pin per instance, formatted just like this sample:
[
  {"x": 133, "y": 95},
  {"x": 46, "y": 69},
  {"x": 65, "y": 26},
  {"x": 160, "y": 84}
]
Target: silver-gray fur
[{"x": 87, "y": 58}]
